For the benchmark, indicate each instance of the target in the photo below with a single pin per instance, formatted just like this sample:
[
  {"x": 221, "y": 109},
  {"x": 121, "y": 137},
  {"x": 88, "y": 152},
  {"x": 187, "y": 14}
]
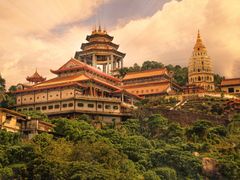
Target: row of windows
[
  {"x": 199, "y": 53},
  {"x": 231, "y": 90},
  {"x": 42, "y": 97},
  {"x": 146, "y": 91},
  {"x": 65, "y": 105},
  {"x": 143, "y": 79},
  {"x": 201, "y": 78}
]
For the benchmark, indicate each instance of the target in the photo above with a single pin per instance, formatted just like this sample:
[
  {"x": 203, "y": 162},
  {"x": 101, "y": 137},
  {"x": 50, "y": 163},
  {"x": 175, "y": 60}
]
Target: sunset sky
[{"x": 44, "y": 34}]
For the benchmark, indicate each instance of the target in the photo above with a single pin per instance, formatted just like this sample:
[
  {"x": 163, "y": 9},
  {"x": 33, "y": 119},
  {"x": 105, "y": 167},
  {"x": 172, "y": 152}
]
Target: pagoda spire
[{"x": 199, "y": 43}]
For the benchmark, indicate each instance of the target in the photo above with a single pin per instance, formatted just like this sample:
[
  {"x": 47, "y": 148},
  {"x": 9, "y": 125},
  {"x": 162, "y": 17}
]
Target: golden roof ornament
[{"x": 199, "y": 43}]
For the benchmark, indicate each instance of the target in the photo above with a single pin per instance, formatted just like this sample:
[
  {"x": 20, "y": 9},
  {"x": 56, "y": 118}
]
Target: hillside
[{"x": 146, "y": 148}]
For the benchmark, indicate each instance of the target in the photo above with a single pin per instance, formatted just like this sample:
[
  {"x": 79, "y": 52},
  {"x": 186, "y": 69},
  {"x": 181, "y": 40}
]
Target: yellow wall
[
  {"x": 10, "y": 124},
  {"x": 236, "y": 89}
]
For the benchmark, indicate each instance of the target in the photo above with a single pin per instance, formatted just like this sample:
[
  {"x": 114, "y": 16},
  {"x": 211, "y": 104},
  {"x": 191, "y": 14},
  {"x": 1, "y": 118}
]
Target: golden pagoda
[{"x": 200, "y": 71}]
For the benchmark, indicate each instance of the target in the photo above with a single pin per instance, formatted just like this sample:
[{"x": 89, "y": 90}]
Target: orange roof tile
[
  {"x": 61, "y": 80},
  {"x": 149, "y": 89},
  {"x": 48, "y": 87},
  {"x": 147, "y": 73},
  {"x": 74, "y": 64},
  {"x": 230, "y": 82}
]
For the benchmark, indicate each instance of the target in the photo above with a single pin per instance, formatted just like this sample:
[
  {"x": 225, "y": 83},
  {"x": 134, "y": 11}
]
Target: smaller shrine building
[{"x": 150, "y": 83}]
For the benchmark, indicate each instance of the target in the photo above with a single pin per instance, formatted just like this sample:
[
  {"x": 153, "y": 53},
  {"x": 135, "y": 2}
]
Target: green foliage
[
  {"x": 199, "y": 130},
  {"x": 147, "y": 65},
  {"x": 157, "y": 125},
  {"x": 150, "y": 148},
  {"x": 151, "y": 175},
  {"x": 166, "y": 173},
  {"x": 36, "y": 115},
  {"x": 183, "y": 161},
  {"x": 8, "y": 138}
]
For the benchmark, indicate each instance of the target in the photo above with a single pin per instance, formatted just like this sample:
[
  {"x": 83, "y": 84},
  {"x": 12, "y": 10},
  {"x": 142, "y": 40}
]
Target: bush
[
  {"x": 151, "y": 175},
  {"x": 166, "y": 173}
]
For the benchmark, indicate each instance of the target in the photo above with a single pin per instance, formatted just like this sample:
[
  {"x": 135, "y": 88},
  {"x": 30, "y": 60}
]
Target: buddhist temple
[
  {"x": 231, "y": 85},
  {"x": 35, "y": 78},
  {"x": 101, "y": 52},
  {"x": 78, "y": 89},
  {"x": 150, "y": 83},
  {"x": 200, "y": 70}
]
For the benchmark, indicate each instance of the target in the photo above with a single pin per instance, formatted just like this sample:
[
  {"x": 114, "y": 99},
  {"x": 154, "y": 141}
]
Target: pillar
[
  {"x": 121, "y": 63},
  {"x": 112, "y": 60},
  {"x": 107, "y": 65},
  {"x": 94, "y": 61},
  {"x": 104, "y": 68}
]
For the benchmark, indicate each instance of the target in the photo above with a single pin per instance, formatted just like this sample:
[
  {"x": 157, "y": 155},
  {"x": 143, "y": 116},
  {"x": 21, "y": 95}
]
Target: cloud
[
  {"x": 28, "y": 40},
  {"x": 45, "y": 34},
  {"x": 169, "y": 35}
]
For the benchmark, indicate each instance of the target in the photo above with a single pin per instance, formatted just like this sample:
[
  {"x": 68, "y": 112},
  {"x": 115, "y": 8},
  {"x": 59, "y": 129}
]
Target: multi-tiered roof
[
  {"x": 99, "y": 41},
  {"x": 35, "y": 78}
]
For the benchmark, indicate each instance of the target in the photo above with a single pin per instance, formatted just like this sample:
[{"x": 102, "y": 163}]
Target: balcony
[{"x": 97, "y": 98}]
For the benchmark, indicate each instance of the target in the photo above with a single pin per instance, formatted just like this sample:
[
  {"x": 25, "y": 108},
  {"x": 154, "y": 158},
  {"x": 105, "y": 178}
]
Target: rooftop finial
[
  {"x": 199, "y": 44},
  {"x": 198, "y": 36},
  {"x": 99, "y": 28}
]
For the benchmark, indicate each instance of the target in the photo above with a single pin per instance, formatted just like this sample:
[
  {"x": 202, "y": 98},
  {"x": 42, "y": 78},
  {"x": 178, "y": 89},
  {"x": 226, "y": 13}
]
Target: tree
[{"x": 147, "y": 65}]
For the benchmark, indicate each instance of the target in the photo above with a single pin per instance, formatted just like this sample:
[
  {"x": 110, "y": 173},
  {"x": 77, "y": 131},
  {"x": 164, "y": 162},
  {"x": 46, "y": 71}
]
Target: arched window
[{"x": 199, "y": 78}]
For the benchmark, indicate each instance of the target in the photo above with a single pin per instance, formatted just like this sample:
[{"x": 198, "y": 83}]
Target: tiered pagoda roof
[
  {"x": 146, "y": 73},
  {"x": 35, "y": 78},
  {"x": 74, "y": 64},
  {"x": 99, "y": 40}
]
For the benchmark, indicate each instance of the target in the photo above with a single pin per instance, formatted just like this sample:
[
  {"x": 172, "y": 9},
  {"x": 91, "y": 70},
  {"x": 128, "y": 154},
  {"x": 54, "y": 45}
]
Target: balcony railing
[{"x": 99, "y": 98}]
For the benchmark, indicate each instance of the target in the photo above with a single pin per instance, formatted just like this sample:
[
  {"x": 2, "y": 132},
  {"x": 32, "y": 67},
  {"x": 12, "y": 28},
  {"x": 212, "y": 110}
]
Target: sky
[{"x": 43, "y": 34}]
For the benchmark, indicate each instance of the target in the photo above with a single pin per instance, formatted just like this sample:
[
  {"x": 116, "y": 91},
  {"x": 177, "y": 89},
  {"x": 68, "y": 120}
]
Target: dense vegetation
[
  {"x": 150, "y": 148},
  {"x": 180, "y": 74}
]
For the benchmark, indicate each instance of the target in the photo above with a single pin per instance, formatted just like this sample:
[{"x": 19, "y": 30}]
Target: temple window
[
  {"x": 38, "y": 108},
  {"x": 115, "y": 107},
  {"x": 30, "y": 109},
  {"x": 64, "y": 105},
  {"x": 50, "y": 107},
  {"x": 90, "y": 105},
  {"x": 107, "y": 106},
  {"x": 44, "y": 108},
  {"x": 80, "y": 104},
  {"x": 99, "y": 106},
  {"x": 56, "y": 106},
  {"x": 231, "y": 90},
  {"x": 70, "y": 105},
  {"x": 199, "y": 78}
]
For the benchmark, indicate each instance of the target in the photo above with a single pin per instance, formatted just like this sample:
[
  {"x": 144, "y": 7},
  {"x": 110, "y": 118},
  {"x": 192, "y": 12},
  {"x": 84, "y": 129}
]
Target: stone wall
[{"x": 186, "y": 118}]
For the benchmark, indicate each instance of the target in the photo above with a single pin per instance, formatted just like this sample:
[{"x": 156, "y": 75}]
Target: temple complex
[
  {"x": 149, "y": 83},
  {"x": 101, "y": 52},
  {"x": 200, "y": 71},
  {"x": 78, "y": 89}
]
